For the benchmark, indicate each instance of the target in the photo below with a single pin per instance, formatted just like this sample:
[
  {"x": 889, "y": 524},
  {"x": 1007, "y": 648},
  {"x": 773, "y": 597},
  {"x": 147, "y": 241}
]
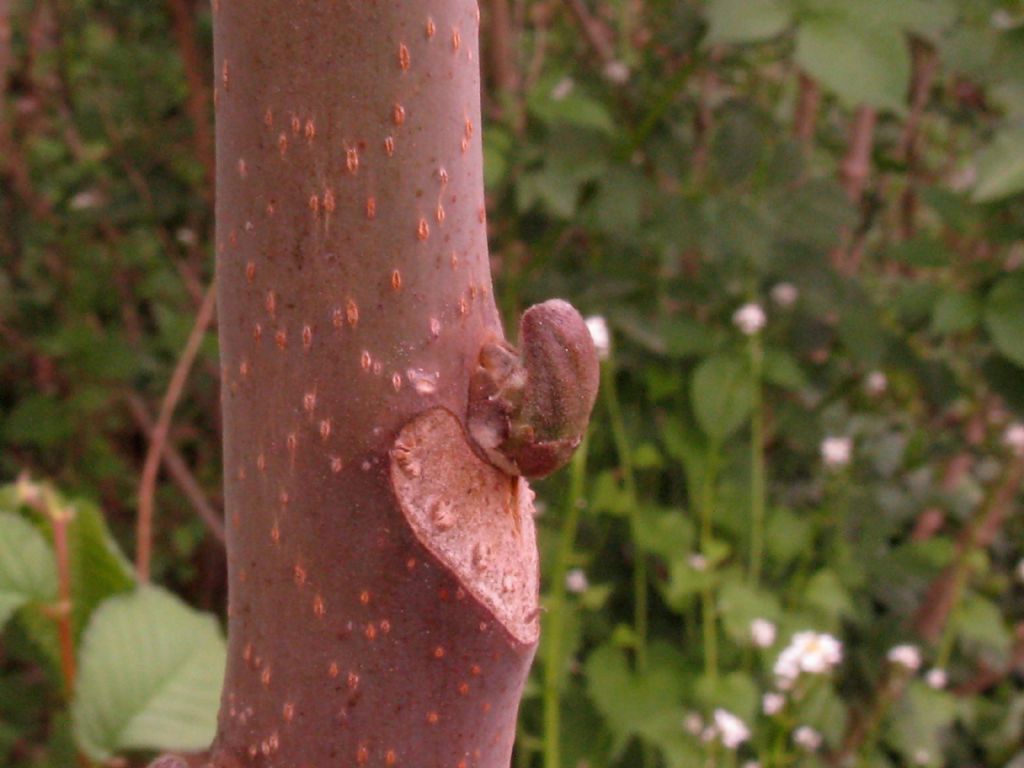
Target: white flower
[
  {"x": 772, "y": 703},
  {"x": 749, "y": 318},
  {"x": 907, "y": 656},
  {"x": 89, "y": 198},
  {"x": 186, "y": 236},
  {"x": 1020, "y": 570},
  {"x": 598, "y": 328},
  {"x": 562, "y": 88},
  {"x": 812, "y": 652},
  {"x": 936, "y": 678},
  {"x": 751, "y": 764},
  {"x": 697, "y": 562},
  {"x": 876, "y": 383},
  {"x": 731, "y": 729},
  {"x": 576, "y": 581},
  {"x": 785, "y": 294},
  {"x": 616, "y": 71},
  {"x": 836, "y": 451},
  {"x": 922, "y": 757},
  {"x": 1013, "y": 438},
  {"x": 693, "y": 723},
  {"x": 807, "y": 738},
  {"x": 762, "y": 632}
]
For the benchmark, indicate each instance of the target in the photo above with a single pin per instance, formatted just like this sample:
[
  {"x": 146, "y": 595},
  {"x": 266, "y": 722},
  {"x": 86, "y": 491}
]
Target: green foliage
[
  {"x": 150, "y": 668},
  {"x": 663, "y": 189},
  {"x": 27, "y": 570},
  {"x": 151, "y": 674}
]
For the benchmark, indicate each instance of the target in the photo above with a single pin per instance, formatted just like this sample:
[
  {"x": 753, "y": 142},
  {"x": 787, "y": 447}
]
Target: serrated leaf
[
  {"x": 745, "y": 21},
  {"x": 862, "y": 63},
  {"x": 1001, "y": 167},
  {"x": 1004, "y": 317},
  {"x": 28, "y": 572},
  {"x": 723, "y": 395},
  {"x": 151, "y": 671}
]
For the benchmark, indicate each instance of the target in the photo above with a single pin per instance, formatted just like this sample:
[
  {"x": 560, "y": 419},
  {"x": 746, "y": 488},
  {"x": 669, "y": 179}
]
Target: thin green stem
[
  {"x": 709, "y": 625},
  {"x": 757, "y": 463},
  {"x": 554, "y": 637},
  {"x": 948, "y": 640},
  {"x": 625, "y": 454}
]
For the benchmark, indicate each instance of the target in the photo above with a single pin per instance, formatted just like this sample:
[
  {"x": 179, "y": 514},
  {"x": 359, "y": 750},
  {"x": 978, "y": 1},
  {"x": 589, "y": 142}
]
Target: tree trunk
[{"x": 383, "y": 576}]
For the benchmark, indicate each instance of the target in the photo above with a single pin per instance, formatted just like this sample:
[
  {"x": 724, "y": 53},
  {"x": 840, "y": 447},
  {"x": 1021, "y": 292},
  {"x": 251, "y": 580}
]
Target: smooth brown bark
[{"x": 354, "y": 296}]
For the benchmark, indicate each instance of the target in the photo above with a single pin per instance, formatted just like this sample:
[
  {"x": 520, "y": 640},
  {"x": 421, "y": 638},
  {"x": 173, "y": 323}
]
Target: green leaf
[
  {"x": 664, "y": 532},
  {"x": 674, "y": 337},
  {"x": 981, "y": 628},
  {"x": 862, "y": 63},
  {"x": 1001, "y": 167},
  {"x": 922, "y": 251},
  {"x": 782, "y": 369},
  {"x": 722, "y": 394},
  {"x": 919, "y": 717},
  {"x": 27, "y": 569},
  {"x": 786, "y": 536},
  {"x": 745, "y": 21},
  {"x": 811, "y": 214},
  {"x": 631, "y": 702},
  {"x": 151, "y": 671},
  {"x": 955, "y": 312},
  {"x": 826, "y": 593},
  {"x": 560, "y": 101},
  {"x": 1004, "y": 317},
  {"x": 734, "y": 692},
  {"x": 739, "y": 604}
]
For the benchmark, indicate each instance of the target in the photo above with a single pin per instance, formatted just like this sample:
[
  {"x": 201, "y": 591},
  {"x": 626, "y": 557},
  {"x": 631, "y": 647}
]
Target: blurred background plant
[{"x": 793, "y": 536}]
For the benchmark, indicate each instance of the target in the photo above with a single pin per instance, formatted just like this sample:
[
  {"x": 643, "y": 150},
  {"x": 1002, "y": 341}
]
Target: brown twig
[
  {"x": 594, "y": 31},
  {"x": 178, "y": 470},
  {"x": 863, "y": 724},
  {"x": 805, "y": 116},
  {"x": 147, "y": 485},
  {"x": 853, "y": 172},
  {"x": 856, "y": 166},
  {"x": 925, "y": 65},
  {"x": 198, "y": 96},
  {"x": 704, "y": 116},
  {"x": 502, "y": 49},
  {"x": 944, "y": 592}
]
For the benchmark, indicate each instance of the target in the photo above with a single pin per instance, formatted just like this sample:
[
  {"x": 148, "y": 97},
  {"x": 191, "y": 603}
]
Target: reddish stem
[
  {"x": 195, "y": 75},
  {"x": 854, "y": 172},
  {"x": 147, "y": 486},
  {"x": 807, "y": 104},
  {"x": 65, "y": 633}
]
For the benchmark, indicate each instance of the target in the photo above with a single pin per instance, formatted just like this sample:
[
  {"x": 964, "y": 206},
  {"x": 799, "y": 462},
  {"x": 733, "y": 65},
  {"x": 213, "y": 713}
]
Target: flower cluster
[
  {"x": 728, "y": 729},
  {"x": 811, "y": 652}
]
